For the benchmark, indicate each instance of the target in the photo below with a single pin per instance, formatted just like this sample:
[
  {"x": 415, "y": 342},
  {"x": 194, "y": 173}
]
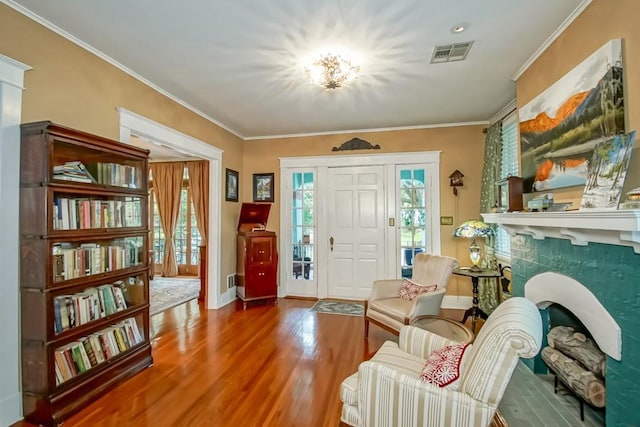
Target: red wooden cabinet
[{"x": 257, "y": 255}]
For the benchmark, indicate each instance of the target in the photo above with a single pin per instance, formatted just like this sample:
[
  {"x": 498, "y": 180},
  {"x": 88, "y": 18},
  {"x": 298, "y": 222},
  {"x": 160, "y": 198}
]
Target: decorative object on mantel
[
  {"x": 472, "y": 229},
  {"x": 607, "y": 171},
  {"x": 356, "y": 144},
  {"x": 559, "y": 127},
  {"x": 455, "y": 181},
  {"x": 510, "y": 194},
  {"x": 633, "y": 199}
]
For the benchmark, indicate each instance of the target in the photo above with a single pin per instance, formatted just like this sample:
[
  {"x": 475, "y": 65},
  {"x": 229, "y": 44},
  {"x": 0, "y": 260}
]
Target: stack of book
[
  {"x": 84, "y": 213},
  {"x": 73, "y": 171},
  {"x": 92, "y": 258}
]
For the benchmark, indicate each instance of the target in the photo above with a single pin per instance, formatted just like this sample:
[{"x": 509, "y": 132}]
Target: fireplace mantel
[{"x": 614, "y": 227}]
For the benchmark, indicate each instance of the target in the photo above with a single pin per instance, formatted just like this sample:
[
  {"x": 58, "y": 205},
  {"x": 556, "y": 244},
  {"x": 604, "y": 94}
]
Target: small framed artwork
[
  {"x": 263, "y": 187},
  {"x": 231, "y": 186}
]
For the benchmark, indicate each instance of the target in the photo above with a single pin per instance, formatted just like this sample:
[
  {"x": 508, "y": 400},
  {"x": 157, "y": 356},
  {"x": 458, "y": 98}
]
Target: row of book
[
  {"x": 94, "y": 303},
  {"x": 117, "y": 175},
  {"x": 74, "y": 214},
  {"x": 92, "y": 258},
  {"x": 113, "y": 174},
  {"x": 90, "y": 351}
]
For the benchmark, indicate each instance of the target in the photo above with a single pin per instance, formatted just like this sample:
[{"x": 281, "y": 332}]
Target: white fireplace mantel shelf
[{"x": 614, "y": 227}]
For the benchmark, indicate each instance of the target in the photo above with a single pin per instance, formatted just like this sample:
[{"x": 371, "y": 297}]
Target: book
[{"x": 88, "y": 348}]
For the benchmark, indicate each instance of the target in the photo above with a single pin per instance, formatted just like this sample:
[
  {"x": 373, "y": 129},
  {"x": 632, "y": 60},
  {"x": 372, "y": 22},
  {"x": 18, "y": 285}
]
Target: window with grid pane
[
  {"x": 302, "y": 225},
  {"x": 509, "y": 135}
]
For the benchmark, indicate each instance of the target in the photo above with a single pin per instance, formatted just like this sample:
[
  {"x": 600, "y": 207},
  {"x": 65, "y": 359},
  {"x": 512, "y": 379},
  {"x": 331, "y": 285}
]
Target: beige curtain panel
[
  {"x": 199, "y": 183},
  {"x": 167, "y": 182}
]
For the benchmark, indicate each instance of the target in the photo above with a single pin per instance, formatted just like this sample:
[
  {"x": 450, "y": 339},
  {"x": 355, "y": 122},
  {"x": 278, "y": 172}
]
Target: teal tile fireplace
[{"x": 601, "y": 250}]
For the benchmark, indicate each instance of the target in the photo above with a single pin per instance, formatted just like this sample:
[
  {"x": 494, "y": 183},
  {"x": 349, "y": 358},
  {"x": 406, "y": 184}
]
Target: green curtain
[{"x": 489, "y": 295}]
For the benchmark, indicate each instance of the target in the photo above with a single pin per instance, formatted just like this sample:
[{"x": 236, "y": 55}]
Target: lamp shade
[{"x": 473, "y": 228}]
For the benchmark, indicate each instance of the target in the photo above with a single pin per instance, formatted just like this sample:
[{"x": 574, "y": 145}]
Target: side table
[
  {"x": 474, "y": 311},
  {"x": 444, "y": 327}
]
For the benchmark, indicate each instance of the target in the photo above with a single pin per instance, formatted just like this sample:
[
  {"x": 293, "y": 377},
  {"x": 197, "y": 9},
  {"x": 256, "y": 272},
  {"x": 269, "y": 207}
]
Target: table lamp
[{"x": 472, "y": 229}]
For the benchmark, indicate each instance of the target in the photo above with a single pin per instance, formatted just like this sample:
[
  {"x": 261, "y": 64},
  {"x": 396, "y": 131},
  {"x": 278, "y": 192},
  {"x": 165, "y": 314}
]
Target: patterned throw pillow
[
  {"x": 410, "y": 290},
  {"x": 444, "y": 365}
]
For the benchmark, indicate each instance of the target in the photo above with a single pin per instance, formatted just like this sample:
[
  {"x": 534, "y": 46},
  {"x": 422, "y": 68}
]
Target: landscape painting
[
  {"x": 606, "y": 172},
  {"x": 560, "y": 128}
]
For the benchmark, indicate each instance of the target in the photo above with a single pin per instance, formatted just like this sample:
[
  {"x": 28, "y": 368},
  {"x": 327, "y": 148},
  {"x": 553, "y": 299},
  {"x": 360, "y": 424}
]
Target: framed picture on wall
[
  {"x": 263, "y": 187},
  {"x": 231, "y": 186}
]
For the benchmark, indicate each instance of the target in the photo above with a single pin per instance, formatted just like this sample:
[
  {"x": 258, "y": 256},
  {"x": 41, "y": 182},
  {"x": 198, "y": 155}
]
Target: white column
[{"x": 11, "y": 80}]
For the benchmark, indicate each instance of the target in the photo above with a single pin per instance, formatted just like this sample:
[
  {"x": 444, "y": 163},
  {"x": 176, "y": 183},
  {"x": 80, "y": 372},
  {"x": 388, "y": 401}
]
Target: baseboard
[
  {"x": 456, "y": 302},
  {"x": 227, "y": 297},
  {"x": 11, "y": 409}
]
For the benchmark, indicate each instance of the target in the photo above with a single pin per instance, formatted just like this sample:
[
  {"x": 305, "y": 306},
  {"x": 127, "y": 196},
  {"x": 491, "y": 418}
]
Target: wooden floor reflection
[{"x": 271, "y": 365}]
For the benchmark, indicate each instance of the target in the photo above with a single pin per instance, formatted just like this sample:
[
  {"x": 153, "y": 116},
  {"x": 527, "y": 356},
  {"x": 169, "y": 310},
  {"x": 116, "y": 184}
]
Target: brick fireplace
[{"x": 601, "y": 252}]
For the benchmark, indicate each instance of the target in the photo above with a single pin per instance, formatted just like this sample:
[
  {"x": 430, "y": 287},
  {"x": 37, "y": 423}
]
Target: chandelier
[{"x": 331, "y": 71}]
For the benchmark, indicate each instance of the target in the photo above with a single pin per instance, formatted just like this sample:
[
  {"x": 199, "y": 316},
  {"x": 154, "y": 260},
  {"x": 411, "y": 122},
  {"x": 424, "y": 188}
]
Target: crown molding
[
  {"x": 388, "y": 129},
  {"x": 576, "y": 12},
  {"x": 504, "y": 111},
  {"x": 40, "y": 20}
]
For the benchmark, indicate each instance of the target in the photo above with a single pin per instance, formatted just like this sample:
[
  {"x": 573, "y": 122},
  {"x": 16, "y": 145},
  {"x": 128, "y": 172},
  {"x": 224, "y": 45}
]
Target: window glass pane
[
  {"x": 412, "y": 195},
  {"x": 302, "y": 225}
]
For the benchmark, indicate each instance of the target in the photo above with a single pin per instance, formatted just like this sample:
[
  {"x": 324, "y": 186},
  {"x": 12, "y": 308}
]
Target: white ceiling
[{"x": 240, "y": 63}]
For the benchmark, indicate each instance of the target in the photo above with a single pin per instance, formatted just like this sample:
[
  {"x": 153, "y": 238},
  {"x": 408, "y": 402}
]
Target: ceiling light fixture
[
  {"x": 458, "y": 29},
  {"x": 331, "y": 71}
]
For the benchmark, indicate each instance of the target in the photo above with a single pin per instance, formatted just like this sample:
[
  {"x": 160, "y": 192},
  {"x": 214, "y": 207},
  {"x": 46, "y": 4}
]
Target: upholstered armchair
[
  {"x": 388, "y": 391},
  {"x": 386, "y": 309}
]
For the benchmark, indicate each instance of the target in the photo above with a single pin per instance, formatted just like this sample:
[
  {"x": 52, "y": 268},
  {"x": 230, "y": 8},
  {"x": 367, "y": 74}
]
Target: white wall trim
[
  {"x": 503, "y": 112},
  {"x": 456, "y": 302},
  {"x": 573, "y": 295},
  {"x": 132, "y": 123},
  {"x": 11, "y": 86},
  {"x": 380, "y": 159},
  {"x": 565, "y": 24},
  {"x": 387, "y": 129}
]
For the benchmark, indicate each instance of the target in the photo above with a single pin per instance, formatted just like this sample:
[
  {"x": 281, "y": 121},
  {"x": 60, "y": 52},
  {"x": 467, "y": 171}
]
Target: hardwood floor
[{"x": 267, "y": 366}]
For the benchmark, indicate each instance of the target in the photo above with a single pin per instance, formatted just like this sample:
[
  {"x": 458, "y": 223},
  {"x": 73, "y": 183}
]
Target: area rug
[
  {"x": 339, "y": 307},
  {"x": 167, "y": 292}
]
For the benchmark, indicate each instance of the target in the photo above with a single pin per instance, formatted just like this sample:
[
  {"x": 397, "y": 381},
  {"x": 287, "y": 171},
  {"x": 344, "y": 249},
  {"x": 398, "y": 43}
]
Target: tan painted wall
[
  {"x": 72, "y": 87},
  {"x": 462, "y": 148},
  {"x": 600, "y": 22}
]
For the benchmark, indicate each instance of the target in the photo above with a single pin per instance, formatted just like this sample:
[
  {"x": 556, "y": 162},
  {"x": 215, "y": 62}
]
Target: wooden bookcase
[{"x": 84, "y": 269}]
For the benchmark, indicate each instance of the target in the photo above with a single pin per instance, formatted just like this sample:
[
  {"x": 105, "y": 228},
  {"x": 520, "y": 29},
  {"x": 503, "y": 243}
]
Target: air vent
[{"x": 450, "y": 52}]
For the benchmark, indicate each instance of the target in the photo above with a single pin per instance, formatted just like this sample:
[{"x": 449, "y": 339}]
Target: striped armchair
[{"x": 387, "y": 390}]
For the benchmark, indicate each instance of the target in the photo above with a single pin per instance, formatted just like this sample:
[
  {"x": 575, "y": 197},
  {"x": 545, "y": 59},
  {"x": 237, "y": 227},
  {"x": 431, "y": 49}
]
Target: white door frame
[
  {"x": 135, "y": 124},
  {"x": 322, "y": 164},
  {"x": 11, "y": 87}
]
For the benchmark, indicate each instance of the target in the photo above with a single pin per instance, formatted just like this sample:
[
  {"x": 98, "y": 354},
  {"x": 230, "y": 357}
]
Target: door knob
[{"x": 331, "y": 243}]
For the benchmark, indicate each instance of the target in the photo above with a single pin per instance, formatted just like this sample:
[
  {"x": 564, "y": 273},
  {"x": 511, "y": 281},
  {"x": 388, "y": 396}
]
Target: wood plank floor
[
  {"x": 267, "y": 366},
  {"x": 270, "y": 366}
]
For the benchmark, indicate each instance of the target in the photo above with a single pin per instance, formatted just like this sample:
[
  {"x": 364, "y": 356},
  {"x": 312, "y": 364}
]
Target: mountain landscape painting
[{"x": 560, "y": 128}]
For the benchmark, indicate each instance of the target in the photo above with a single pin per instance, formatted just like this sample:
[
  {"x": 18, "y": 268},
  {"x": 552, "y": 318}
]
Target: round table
[{"x": 444, "y": 327}]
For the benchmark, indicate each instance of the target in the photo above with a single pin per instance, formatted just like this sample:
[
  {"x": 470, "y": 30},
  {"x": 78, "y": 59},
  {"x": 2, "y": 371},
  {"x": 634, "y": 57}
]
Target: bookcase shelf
[{"x": 84, "y": 271}]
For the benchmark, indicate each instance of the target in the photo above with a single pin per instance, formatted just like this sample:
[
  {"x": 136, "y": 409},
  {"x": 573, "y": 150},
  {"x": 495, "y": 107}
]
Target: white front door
[{"x": 356, "y": 226}]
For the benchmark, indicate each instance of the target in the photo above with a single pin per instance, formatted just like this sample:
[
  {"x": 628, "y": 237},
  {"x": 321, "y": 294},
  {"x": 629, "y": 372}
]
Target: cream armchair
[
  {"x": 387, "y": 390},
  {"x": 386, "y": 309}
]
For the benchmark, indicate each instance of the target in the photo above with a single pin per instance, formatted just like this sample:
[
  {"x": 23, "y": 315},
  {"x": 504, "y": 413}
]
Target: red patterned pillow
[
  {"x": 410, "y": 290},
  {"x": 444, "y": 365}
]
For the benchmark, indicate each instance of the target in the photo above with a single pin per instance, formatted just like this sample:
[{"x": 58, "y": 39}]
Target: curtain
[
  {"x": 199, "y": 183},
  {"x": 167, "y": 183},
  {"x": 488, "y": 288}
]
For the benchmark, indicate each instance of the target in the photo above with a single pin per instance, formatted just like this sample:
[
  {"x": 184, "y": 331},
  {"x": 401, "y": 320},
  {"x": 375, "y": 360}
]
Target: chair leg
[{"x": 366, "y": 327}]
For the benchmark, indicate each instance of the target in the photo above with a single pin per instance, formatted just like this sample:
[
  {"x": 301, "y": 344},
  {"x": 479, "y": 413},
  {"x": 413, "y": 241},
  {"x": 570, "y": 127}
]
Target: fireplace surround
[{"x": 601, "y": 251}]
